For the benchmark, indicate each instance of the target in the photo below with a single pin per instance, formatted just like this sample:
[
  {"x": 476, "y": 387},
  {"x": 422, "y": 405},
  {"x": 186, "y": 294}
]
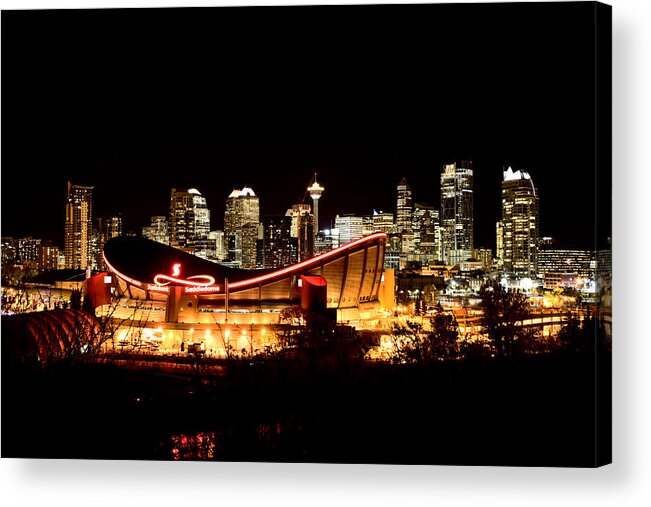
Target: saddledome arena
[{"x": 170, "y": 296}]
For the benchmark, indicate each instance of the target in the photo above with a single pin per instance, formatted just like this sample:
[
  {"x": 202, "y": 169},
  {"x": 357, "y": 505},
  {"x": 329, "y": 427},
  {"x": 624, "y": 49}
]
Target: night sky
[{"x": 138, "y": 101}]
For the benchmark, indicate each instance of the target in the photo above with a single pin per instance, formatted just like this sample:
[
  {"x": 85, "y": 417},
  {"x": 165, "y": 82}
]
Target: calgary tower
[{"x": 315, "y": 191}]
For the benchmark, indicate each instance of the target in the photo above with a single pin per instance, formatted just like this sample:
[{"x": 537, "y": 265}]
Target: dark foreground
[{"x": 533, "y": 411}]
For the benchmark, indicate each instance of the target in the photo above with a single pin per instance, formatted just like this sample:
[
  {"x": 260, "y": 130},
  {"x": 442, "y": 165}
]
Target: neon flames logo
[{"x": 191, "y": 281}]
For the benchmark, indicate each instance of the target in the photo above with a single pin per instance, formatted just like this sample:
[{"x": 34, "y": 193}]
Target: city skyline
[
  {"x": 134, "y": 130},
  {"x": 286, "y": 227},
  {"x": 141, "y": 216}
]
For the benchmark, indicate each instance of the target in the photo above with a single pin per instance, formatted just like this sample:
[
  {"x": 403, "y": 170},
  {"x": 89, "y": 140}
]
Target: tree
[
  {"x": 503, "y": 309},
  {"x": 413, "y": 344},
  {"x": 443, "y": 339},
  {"x": 291, "y": 326},
  {"x": 582, "y": 336}
]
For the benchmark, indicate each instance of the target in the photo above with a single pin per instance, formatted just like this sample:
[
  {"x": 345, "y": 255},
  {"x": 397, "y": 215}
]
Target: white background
[{"x": 626, "y": 482}]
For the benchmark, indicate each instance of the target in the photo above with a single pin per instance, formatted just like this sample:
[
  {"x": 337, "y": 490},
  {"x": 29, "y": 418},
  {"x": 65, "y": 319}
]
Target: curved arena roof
[{"x": 352, "y": 271}]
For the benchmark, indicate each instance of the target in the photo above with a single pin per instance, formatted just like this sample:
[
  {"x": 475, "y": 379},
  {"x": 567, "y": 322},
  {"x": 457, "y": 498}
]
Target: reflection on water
[{"x": 197, "y": 447}]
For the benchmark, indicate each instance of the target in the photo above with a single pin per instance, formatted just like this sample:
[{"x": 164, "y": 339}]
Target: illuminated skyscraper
[
  {"x": 216, "y": 248},
  {"x": 241, "y": 221},
  {"x": 315, "y": 191},
  {"x": 302, "y": 231},
  {"x": 107, "y": 228},
  {"x": 157, "y": 230},
  {"x": 404, "y": 218},
  {"x": 519, "y": 224},
  {"x": 201, "y": 223},
  {"x": 181, "y": 218},
  {"x": 383, "y": 221},
  {"x": 276, "y": 242},
  {"x": 350, "y": 228},
  {"x": 456, "y": 212},
  {"x": 305, "y": 236},
  {"x": 189, "y": 222},
  {"x": 404, "y": 207},
  {"x": 426, "y": 233},
  {"x": 79, "y": 227}
]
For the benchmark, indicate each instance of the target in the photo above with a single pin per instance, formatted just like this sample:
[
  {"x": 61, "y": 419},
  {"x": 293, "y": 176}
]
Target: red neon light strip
[
  {"x": 209, "y": 280},
  {"x": 124, "y": 277},
  {"x": 306, "y": 264}
]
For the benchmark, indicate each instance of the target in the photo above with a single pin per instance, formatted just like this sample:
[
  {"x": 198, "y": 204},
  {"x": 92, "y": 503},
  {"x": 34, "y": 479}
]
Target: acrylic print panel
[{"x": 343, "y": 234}]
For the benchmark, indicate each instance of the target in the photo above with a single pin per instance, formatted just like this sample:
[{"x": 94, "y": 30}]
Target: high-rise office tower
[
  {"x": 520, "y": 224},
  {"x": 424, "y": 223},
  {"x": 276, "y": 241},
  {"x": 426, "y": 231},
  {"x": 157, "y": 230},
  {"x": 456, "y": 212},
  {"x": 189, "y": 222},
  {"x": 404, "y": 207},
  {"x": 305, "y": 237},
  {"x": 315, "y": 191},
  {"x": 181, "y": 218},
  {"x": 302, "y": 231},
  {"x": 216, "y": 248},
  {"x": 326, "y": 240},
  {"x": 241, "y": 220},
  {"x": 201, "y": 224},
  {"x": 79, "y": 227},
  {"x": 350, "y": 228},
  {"x": 404, "y": 218},
  {"x": 107, "y": 228},
  {"x": 383, "y": 221},
  {"x": 296, "y": 211}
]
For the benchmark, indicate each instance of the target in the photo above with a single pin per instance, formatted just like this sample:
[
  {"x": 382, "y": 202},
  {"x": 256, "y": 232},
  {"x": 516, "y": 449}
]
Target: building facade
[
  {"x": 579, "y": 262},
  {"x": 350, "y": 228},
  {"x": 457, "y": 219},
  {"x": 241, "y": 221},
  {"x": 189, "y": 221},
  {"x": 383, "y": 222},
  {"x": 181, "y": 218},
  {"x": 107, "y": 228},
  {"x": 79, "y": 227},
  {"x": 196, "y": 291},
  {"x": 404, "y": 217},
  {"x": 216, "y": 249},
  {"x": 426, "y": 233},
  {"x": 519, "y": 224},
  {"x": 302, "y": 231},
  {"x": 276, "y": 242},
  {"x": 157, "y": 230},
  {"x": 48, "y": 257}
]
